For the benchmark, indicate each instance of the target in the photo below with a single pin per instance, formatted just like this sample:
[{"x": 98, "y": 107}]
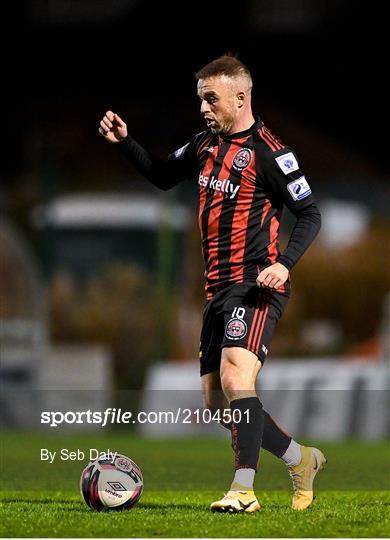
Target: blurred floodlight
[
  {"x": 90, "y": 210},
  {"x": 321, "y": 334},
  {"x": 343, "y": 222},
  {"x": 290, "y": 15},
  {"x": 76, "y": 12}
]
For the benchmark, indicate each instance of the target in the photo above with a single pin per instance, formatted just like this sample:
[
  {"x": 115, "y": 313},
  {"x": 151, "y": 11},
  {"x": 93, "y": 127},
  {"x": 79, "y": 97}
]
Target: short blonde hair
[{"x": 228, "y": 65}]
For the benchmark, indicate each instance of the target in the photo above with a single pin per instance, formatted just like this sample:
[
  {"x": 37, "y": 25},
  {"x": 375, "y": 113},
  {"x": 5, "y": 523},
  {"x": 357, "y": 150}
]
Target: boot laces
[{"x": 296, "y": 480}]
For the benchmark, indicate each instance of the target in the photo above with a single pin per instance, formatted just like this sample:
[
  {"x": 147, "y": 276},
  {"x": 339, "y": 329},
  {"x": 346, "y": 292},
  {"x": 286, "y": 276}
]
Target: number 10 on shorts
[
  {"x": 236, "y": 327},
  {"x": 238, "y": 312}
]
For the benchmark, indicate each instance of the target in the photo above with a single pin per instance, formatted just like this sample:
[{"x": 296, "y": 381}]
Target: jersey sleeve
[
  {"x": 184, "y": 159},
  {"x": 284, "y": 178},
  {"x": 286, "y": 183},
  {"x": 163, "y": 173}
]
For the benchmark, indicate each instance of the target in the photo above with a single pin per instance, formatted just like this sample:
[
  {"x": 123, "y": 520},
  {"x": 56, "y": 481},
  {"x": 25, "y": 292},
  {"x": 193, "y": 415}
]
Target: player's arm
[
  {"x": 286, "y": 181},
  {"x": 163, "y": 173}
]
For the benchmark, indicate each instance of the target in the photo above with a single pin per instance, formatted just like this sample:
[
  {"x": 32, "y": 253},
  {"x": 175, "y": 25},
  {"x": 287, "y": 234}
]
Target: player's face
[{"x": 218, "y": 105}]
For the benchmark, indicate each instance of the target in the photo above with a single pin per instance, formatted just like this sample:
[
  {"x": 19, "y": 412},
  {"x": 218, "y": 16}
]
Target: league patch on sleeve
[
  {"x": 287, "y": 162},
  {"x": 299, "y": 189},
  {"x": 180, "y": 151}
]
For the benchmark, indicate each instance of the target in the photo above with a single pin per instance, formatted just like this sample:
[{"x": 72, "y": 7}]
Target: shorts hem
[
  {"x": 259, "y": 355},
  {"x": 207, "y": 371}
]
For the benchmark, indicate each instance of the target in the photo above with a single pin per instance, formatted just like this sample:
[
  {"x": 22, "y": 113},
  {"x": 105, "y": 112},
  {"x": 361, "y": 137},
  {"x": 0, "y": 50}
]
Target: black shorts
[{"x": 242, "y": 315}]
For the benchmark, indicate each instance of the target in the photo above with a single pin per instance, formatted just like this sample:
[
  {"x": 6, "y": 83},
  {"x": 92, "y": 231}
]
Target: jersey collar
[{"x": 256, "y": 125}]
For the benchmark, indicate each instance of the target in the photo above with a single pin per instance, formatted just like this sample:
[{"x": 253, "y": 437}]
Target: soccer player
[{"x": 245, "y": 176}]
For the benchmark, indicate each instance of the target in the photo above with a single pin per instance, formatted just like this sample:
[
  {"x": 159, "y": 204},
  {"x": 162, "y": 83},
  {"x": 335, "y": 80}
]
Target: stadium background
[{"x": 101, "y": 275}]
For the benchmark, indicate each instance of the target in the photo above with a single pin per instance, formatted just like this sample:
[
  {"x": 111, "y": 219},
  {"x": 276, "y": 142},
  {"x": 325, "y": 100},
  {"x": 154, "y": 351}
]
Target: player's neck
[{"x": 243, "y": 123}]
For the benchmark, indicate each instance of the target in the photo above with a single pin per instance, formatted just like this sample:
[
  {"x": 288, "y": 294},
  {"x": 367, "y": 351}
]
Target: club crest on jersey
[
  {"x": 242, "y": 159},
  {"x": 287, "y": 162},
  {"x": 236, "y": 329}
]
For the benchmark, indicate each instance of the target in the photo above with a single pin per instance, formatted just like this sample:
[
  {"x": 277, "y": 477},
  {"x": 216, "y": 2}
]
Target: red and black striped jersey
[{"x": 244, "y": 180}]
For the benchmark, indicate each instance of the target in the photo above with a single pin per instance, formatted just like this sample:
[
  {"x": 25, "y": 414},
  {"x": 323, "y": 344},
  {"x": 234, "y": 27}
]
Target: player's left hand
[{"x": 273, "y": 276}]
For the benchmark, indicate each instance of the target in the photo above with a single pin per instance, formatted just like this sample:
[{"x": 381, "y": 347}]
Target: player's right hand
[{"x": 112, "y": 127}]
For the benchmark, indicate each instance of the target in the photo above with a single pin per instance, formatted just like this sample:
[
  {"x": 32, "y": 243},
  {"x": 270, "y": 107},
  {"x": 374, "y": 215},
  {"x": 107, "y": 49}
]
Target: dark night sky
[{"x": 330, "y": 75}]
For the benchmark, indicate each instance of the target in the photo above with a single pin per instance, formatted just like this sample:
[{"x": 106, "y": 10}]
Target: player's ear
[{"x": 240, "y": 98}]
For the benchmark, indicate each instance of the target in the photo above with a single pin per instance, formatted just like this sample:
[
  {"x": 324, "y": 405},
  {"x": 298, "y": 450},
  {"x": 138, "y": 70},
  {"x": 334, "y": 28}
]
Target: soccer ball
[{"x": 111, "y": 484}]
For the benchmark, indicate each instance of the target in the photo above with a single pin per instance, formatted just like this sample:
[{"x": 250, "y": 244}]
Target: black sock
[
  {"x": 247, "y": 431},
  {"x": 274, "y": 440}
]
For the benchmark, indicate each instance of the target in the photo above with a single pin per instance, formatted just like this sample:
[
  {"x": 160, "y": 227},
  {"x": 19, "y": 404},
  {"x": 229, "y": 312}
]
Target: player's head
[{"x": 224, "y": 88}]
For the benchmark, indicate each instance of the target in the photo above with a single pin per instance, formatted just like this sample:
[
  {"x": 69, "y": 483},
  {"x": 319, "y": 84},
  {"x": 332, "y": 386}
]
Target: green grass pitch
[{"x": 181, "y": 478}]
